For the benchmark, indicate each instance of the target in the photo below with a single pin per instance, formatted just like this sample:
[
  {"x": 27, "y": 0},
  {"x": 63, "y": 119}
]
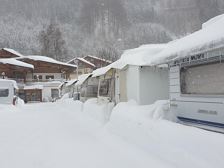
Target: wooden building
[
  {"x": 9, "y": 53},
  {"x": 83, "y": 67},
  {"x": 47, "y": 76},
  {"x": 11, "y": 68},
  {"x": 98, "y": 62}
]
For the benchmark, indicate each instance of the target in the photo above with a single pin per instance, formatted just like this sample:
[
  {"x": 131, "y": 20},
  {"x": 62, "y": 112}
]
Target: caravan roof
[{"x": 211, "y": 36}]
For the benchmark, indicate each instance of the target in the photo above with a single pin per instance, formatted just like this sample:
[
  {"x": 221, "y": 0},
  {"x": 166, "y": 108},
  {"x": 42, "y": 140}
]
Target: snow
[
  {"x": 31, "y": 87},
  {"x": 71, "y": 82},
  {"x": 82, "y": 79},
  {"x": 97, "y": 58},
  {"x": 61, "y": 134},
  {"x": 99, "y": 111},
  {"x": 6, "y": 81},
  {"x": 210, "y": 36},
  {"x": 83, "y": 60},
  {"x": 101, "y": 71},
  {"x": 140, "y": 56},
  {"x": 47, "y": 59},
  {"x": 13, "y": 52},
  {"x": 12, "y": 61}
]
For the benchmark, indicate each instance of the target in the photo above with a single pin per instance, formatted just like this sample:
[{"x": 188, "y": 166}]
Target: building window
[
  {"x": 203, "y": 80},
  {"x": 40, "y": 77},
  {"x": 49, "y": 77}
]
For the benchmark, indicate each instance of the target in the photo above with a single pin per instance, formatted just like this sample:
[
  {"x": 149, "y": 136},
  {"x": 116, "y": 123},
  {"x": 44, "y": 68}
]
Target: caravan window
[
  {"x": 203, "y": 79},
  {"x": 4, "y": 92},
  {"x": 105, "y": 87}
]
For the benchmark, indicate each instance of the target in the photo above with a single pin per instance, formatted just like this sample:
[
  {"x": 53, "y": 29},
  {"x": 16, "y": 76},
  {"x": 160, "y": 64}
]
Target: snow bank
[
  {"x": 174, "y": 144},
  {"x": 100, "y": 112}
]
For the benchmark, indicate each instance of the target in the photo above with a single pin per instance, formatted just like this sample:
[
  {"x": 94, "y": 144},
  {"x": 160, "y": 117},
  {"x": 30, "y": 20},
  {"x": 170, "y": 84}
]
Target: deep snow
[{"x": 63, "y": 134}]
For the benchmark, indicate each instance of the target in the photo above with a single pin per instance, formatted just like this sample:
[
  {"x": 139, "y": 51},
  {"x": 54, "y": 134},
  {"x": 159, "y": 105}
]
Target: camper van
[
  {"x": 8, "y": 91},
  {"x": 197, "y": 89}
]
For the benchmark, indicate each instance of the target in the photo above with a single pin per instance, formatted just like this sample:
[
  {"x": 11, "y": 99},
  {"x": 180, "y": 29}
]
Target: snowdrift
[{"x": 98, "y": 111}]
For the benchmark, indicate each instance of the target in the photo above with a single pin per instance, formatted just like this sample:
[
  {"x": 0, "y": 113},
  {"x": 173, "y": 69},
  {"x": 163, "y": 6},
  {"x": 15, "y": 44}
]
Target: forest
[{"x": 64, "y": 29}]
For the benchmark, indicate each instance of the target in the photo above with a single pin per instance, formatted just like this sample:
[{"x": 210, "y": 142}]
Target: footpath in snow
[{"x": 68, "y": 134}]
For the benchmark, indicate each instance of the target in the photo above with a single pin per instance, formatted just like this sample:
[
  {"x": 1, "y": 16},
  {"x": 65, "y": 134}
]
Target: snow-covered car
[{"x": 8, "y": 92}]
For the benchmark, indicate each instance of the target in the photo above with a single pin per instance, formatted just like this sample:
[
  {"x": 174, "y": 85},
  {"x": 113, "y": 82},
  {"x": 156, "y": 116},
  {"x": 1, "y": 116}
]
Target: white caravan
[
  {"x": 196, "y": 77},
  {"x": 197, "y": 90},
  {"x": 8, "y": 90}
]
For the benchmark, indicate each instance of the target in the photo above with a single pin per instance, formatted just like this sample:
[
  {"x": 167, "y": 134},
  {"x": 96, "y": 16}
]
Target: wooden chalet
[
  {"x": 14, "y": 69},
  {"x": 83, "y": 67},
  {"x": 44, "y": 81}
]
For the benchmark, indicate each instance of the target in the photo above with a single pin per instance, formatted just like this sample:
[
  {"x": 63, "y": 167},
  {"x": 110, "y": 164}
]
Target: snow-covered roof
[
  {"x": 47, "y": 59},
  {"x": 101, "y": 71},
  {"x": 71, "y": 82},
  {"x": 82, "y": 79},
  {"x": 101, "y": 59},
  {"x": 12, "y": 61},
  {"x": 140, "y": 56},
  {"x": 13, "y": 52},
  {"x": 211, "y": 36},
  {"x": 83, "y": 60},
  {"x": 32, "y": 87}
]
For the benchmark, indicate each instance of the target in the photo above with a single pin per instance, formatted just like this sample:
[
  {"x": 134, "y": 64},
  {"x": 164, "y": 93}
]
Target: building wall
[
  {"x": 57, "y": 76},
  {"x": 154, "y": 84}
]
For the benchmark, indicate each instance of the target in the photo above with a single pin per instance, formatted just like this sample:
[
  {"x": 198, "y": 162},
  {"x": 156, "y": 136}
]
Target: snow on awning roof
[
  {"x": 12, "y": 61},
  {"x": 82, "y": 79},
  {"x": 13, "y": 52},
  {"x": 211, "y": 36},
  {"x": 47, "y": 59},
  {"x": 71, "y": 82},
  {"x": 138, "y": 56},
  {"x": 101, "y": 71}
]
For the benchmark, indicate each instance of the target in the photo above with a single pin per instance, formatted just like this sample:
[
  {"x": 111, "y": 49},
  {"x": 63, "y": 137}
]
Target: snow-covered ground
[{"x": 65, "y": 135}]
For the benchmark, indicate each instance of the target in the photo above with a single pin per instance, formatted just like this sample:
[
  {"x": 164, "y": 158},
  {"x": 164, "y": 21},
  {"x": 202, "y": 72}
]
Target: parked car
[{"x": 8, "y": 92}]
